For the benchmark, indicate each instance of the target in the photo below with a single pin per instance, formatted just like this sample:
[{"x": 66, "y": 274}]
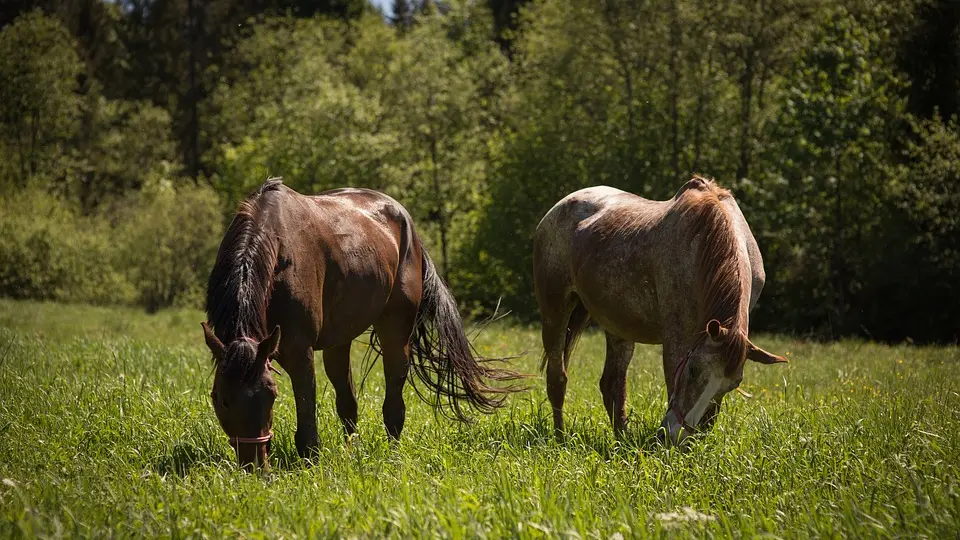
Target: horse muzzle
[
  {"x": 252, "y": 451},
  {"x": 673, "y": 429}
]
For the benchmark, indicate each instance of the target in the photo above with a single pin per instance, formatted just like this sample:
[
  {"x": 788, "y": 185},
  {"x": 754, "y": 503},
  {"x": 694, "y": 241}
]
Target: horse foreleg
[
  {"x": 303, "y": 379},
  {"x": 613, "y": 382},
  {"x": 336, "y": 363}
]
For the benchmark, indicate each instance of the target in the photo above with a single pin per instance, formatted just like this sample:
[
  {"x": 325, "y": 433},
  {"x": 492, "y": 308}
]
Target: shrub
[
  {"x": 49, "y": 252},
  {"x": 170, "y": 239}
]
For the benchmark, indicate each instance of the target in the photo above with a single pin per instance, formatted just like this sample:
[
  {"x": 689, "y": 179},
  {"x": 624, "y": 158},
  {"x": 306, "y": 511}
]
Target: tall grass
[{"x": 106, "y": 430}]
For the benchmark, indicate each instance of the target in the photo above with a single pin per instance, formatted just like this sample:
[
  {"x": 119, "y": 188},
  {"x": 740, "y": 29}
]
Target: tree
[
  {"x": 928, "y": 55},
  {"x": 39, "y": 108},
  {"x": 833, "y": 172},
  {"x": 435, "y": 105},
  {"x": 761, "y": 35},
  {"x": 306, "y": 110},
  {"x": 402, "y": 14},
  {"x": 923, "y": 251},
  {"x": 505, "y": 14}
]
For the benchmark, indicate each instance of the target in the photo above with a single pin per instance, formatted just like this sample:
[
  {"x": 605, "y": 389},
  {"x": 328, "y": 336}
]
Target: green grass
[{"x": 106, "y": 430}]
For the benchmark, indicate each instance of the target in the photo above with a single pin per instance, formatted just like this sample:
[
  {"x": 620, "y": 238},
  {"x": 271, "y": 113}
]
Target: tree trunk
[
  {"x": 839, "y": 267},
  {"x": 702, "y": 99},
  {"x": 192, "y": 154},
  {"x": 33, "y": 143},
  {"x": 441, "y": 216},
  {"x": 21, "y": 152},
  {"x": 675, "y": 87},
  {"x": 746, "y": 97}
]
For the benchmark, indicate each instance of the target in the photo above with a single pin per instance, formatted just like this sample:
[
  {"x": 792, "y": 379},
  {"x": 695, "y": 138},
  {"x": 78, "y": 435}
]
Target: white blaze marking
[{"x": 696, "y": 412}]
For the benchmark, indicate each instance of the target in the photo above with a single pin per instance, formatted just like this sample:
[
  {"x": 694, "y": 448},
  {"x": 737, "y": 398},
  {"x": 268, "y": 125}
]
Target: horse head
[
  {"x": 243, "y": 393},
  {"x": 712, "y": 368}
]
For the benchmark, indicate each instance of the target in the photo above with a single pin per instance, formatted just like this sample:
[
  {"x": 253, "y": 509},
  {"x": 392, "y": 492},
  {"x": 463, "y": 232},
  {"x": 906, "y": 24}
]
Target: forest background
[{"x": 129, "y": 131}]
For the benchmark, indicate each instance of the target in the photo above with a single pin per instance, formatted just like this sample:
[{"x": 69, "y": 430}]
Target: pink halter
[{"x": 234, "y": 441}]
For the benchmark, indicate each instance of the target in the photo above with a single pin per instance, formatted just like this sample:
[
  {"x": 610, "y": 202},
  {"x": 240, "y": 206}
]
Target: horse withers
[
  {"x": 685, "y": 273},
  {"x": 295, "y": 274}
]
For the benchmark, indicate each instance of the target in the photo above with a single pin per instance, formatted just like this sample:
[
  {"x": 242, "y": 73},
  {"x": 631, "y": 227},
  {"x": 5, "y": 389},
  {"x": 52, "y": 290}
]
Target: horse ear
[
  {"x": 268, "y": 347},
  {"x": 759, "y": 355},
  {"x": 215, "y": 345},
  {"x": 715, "y": 330}
]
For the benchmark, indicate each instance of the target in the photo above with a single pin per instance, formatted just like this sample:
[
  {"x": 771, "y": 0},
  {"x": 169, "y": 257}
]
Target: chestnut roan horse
[
  {"x": 319, "y": 271},
  {"x": 685, "y": 272}
]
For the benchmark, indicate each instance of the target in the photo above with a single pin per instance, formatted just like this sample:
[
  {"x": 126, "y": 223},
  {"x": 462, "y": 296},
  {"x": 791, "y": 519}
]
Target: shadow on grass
[
  {"x": 185, "y": 456},
  {"x": 534, "y": 429}
]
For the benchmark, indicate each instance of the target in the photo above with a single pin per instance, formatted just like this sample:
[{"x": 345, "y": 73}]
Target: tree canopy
[{"x": 833, "y": 122}]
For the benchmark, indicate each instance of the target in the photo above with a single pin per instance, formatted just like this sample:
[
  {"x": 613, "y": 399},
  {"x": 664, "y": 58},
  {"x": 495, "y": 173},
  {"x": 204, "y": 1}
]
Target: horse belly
[
  {"x": 626, "y": 307},
  {"x": 353, "y": 301}
]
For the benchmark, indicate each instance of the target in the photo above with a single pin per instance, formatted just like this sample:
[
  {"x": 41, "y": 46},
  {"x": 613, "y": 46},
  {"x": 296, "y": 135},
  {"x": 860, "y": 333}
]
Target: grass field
[{"x": 106, "y": 430}]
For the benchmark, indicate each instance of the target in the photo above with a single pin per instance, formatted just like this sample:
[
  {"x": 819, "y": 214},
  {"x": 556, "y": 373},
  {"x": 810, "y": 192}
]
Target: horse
[
  {"x": 319, "y": 271},
  {"x": 684, "y": 273}
]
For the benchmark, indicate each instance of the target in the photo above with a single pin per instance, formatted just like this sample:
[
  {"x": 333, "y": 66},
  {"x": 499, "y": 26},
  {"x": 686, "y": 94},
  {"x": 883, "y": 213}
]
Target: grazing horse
[
  {"x": 320, "y": 271},
  {"x": 685, "y": 272}
]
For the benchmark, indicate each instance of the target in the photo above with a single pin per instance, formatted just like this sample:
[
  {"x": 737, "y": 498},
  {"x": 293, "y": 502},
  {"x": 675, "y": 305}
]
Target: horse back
[
  {"x": 629, "y": 260},
  {"x": 341, "y": 253},
  {"x": 594, "y": 245}
]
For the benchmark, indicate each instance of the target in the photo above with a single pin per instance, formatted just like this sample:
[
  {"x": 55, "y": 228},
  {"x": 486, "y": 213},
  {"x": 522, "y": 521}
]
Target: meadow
[{"x": 106, "y": 430}]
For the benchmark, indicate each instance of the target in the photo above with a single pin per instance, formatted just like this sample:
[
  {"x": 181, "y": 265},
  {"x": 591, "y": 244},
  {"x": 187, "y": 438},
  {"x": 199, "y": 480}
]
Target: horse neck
[
  {"x": 241, "y": 283},
  {"x": 723, "y": 277}
]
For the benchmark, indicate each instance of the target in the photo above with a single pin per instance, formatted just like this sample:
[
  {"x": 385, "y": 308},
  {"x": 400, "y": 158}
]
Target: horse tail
[
  {"x": 444, "y": 360},
  {"x": 575, "y": 327}
]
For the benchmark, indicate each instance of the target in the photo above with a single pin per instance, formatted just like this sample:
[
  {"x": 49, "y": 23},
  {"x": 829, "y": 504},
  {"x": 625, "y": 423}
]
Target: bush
[
  {"x": 154, "y": 248},
  {"x": 170, "y": 240},
  {"x": 49, "y": 252}
]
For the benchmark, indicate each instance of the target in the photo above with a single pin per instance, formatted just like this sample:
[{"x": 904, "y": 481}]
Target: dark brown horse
[
  {"x": 319, "y": 271},
  {"x": 684, "y": 272}
]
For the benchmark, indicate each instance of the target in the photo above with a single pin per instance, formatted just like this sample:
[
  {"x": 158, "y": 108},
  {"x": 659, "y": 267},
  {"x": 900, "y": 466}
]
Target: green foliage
[
  {"x": 110, "y": 431},
  {"x": 295, "y": 115},
  {"x": 153, "y": 248},
  {"x": 923, "y": 257},
  {"x": 38, "y": 107},
  {"x": 405, "y": 115},
  {"x": 436, "y": 107},
  {"x": 478, "y": 122},
  {"x": 129, "y": 144},
  {"x": 170, "y": 240},
  {"x": 829, "y": 179},
  {"x": 48, "y": 251}
]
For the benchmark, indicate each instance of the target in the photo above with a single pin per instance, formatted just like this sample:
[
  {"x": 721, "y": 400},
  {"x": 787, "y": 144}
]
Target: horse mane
[
  {"x": 241, "y": 282},
  {"x": 719, "y": 283}
]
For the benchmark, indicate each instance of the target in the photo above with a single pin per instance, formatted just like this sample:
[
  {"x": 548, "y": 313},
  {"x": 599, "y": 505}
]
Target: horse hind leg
[
  {"x": 394, "y": 330},
  {"x": 559, "y": 334},
  {"x": 613, "y": 382},
  {"x": 336, "y": 363}
]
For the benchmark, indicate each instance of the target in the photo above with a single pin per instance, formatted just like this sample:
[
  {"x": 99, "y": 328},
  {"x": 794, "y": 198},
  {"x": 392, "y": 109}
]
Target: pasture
[{"x": 106, "y": 430}]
